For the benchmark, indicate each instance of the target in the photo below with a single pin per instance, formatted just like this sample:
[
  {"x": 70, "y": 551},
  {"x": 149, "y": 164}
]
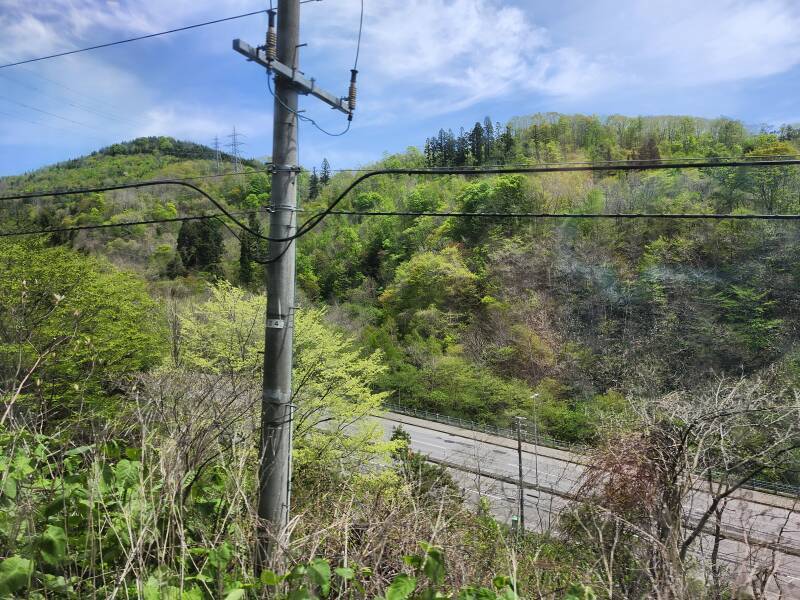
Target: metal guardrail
[
  {"x": 541, "y": 440},
  {"x": 772, "y": 487}
]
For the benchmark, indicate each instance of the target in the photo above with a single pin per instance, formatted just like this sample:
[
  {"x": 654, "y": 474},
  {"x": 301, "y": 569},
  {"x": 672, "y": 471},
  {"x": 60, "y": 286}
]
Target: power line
[
  {"x": 302, "y": 117},
  {"x": 122, "y": 186},
  {"x": 226, "y": 174},
  {"x": 29, "y": 107},
  {"x": 43, "y": 124},
  {"x": 133, "y": 39},
  {"x": 545, "y": 215},
  {"x": 85, "y": 108},
  {"x": 105, "y": 225},
  {"x": 313, "y": 221},
  {"x": 358, "y": 44},
  {"x": 86, "y": 98},
  {"x": 218, "y": 216},
  {"x": 171, "y": 179},
  {"x": 316, "y": 219},
  {"x": 450, "y": 170},
  {"x": 141, "y": 37}
]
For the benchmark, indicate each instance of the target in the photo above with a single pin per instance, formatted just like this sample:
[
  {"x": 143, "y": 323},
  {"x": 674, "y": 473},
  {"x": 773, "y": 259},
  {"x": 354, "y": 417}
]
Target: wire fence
[{"x": 772, "y": 487}]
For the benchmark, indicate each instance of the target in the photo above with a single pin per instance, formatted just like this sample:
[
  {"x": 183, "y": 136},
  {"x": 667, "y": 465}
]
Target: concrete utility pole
[
  {"x": 520, "y": 482},
  {"x": 280, "y": 58}
]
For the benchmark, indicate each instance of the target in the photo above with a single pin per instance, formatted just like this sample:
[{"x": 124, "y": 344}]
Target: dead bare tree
[{"x": 672, "y": 475}]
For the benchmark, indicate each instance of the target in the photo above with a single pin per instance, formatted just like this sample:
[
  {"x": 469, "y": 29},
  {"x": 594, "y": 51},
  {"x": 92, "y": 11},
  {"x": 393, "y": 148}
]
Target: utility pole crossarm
[{"x": 303, "y": 85}]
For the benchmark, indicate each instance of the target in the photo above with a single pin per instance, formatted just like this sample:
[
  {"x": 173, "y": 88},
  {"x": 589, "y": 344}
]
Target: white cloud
[
  {"x": 446, "y": 55},
  {"x": 419, "y": 58},
  {"x": 684, "y": 43},
  {"x": 201, "y": 123}
]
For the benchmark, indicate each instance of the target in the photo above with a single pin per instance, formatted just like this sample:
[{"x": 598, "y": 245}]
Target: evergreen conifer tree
[
  {"x": 325, "y": 173},
  {"x": 200, "y": 245},
  {"x": 313, "y": 184}
]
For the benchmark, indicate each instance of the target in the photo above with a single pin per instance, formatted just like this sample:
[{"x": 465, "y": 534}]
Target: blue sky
[{"x": 424, "y": 64}]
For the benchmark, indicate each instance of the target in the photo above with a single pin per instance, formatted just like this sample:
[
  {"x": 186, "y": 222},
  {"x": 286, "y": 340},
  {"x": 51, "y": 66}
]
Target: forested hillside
[
  {"x": 130, "y": 356},
  {"x": 473, "y": 316}
]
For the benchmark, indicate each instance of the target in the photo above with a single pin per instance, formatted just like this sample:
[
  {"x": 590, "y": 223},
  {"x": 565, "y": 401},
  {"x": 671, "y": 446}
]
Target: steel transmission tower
[
  {"x": 236, "y": 149},
  {"x": 216, "y": 156}
]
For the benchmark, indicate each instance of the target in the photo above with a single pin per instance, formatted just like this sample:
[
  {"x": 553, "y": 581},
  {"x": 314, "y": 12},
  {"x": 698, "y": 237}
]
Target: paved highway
[{"x": 756, "y": 525}]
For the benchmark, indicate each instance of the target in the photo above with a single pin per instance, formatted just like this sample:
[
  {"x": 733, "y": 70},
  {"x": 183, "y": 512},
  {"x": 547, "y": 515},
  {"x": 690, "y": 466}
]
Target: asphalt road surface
[{"x": 758, "y": 527}]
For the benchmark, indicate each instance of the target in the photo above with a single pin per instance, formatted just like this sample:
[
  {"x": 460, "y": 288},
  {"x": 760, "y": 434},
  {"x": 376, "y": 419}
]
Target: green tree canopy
[{"x": 70, "y": 327}]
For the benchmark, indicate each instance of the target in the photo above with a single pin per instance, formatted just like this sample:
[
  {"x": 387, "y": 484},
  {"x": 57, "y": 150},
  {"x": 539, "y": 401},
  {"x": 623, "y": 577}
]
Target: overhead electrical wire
[
  {"x": 354, "y": 71},
  {"x": 627, "y": 161},
  {"x": 87, "y": 99},
  {"x": 301, "y": 116},
  {"x": 140, "y": 37},
  {"x": 133, "y": 39},
  {"x": 82, "y": 107},
  {"x": 72, "y": 228},
  {"x": 43, "y": 124},
  {"x": 313, "y": 221},
  {"x": 358, "y": 43},
  {"x": 226, "y": 174},
  {"x": 44, "y": 112},
  {"x": 316, "y": 219},
  {"x": 547, "y": 215},
  {"x": 138, "y": 184}
]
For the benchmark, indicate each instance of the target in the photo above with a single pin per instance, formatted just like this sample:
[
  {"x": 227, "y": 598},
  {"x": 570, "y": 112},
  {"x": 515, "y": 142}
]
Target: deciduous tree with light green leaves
[
  {"x": 70, "y": 328},
  {"x": 332, "y": 379}
]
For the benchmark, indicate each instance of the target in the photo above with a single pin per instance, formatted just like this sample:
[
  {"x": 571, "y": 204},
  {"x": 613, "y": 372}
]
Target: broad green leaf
[
  {"x": 192, "y": 593},
  {"x": 55, "y": 583},
  {"x": 580, "y": 591},
  {"x": 270, "y": 578},
  {"x": 78, "y": 450},
  {"x": 300, "y": 594},
  {"x": 501, "y": 581},
  {"x": 434, "y": 564},
  {"x": 127, "y": 473},
  {"x": 508, "y": 594},
  {"x": 345, "y": 573},
  {"x": 22, "y": 464},
  {"x": 402, "y": 587},
  {"x": 15, "y": 573},
  {"x": 10, "y": 488},
  {"x": 221, "y": 556},
  {"x": 471, "y": 593},
  {"x": 235, "y": 595},
  {"x": 152, "y": 589},
  {"x": 53, "y": 545},
  {"x": 297, "y": 572},
  {"x": 413, "y": 560},
  {"x": 319, "y": 571}
]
